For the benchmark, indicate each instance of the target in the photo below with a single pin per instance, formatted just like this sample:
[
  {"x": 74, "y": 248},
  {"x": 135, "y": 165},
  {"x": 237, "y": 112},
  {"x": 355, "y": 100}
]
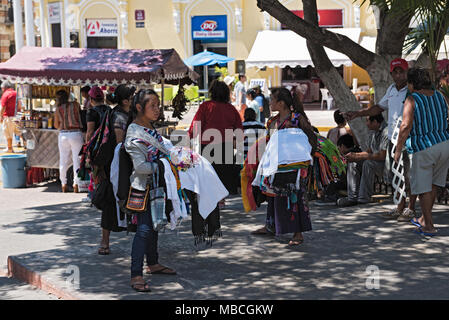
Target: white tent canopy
[
  {"x": 286, "y": 48},
  {"x": 369, "y": 43},
  {"x": 442, "y": 54}
]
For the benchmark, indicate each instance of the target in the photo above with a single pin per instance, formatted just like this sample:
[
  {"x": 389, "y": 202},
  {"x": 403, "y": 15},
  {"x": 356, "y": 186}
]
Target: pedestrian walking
[
  {"x": 70, "y": 138},
  {"x": 210, "y": 124},
  {"x": 122, "y": 97},
  {"x": 424, "y": 133},
  {"x": 252, "y": 103},
  {"x": 8, "y": 112}
]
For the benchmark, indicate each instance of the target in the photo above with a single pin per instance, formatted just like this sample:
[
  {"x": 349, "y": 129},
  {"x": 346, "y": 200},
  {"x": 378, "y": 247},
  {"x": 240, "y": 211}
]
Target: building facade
[
  {"x": 228, "y": 27},
  {"x": 7, "y": 47}
]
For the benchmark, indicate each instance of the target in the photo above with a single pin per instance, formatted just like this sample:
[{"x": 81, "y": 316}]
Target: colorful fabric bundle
[
  {"x": 183, "y": 158},
  {"x": 328, "y": 165}
]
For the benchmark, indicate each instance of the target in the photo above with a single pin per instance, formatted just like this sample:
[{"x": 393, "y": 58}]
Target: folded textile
[
  {"x": 179, "y": 206},
  {"x": 285, "y": 147},
  {"x": 204, "y": 181}
]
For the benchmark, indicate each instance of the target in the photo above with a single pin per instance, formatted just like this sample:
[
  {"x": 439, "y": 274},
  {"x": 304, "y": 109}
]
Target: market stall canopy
[
  {"x": 207, "y": 58},
  {"x": 74, "y": 66},
  {"x": 287, "y": 48}
]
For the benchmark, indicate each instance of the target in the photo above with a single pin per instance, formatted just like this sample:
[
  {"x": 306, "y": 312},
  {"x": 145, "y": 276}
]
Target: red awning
[{"x": 74, "y": 66}]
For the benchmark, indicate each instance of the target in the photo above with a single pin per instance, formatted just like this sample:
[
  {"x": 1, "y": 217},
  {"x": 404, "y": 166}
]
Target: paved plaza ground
[{"x": 51, "y": 237}]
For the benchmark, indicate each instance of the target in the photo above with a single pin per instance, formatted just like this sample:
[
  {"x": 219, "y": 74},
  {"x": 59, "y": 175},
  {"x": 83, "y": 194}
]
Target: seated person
[
  {"x": 363, "y": 166},
  {"x": 252, "y": 129},
  {"x": 340, "y": 129}
]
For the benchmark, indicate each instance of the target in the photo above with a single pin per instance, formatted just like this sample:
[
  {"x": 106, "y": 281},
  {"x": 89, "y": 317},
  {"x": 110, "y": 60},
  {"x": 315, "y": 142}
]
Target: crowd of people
[{"x": 285, "y": 161}]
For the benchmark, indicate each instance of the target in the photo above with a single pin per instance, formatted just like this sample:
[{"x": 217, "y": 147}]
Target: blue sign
[{"x": 210, "y": 28}]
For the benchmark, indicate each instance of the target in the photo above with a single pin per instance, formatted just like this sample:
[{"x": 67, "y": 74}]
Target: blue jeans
[{"x": 145, "y": 243}]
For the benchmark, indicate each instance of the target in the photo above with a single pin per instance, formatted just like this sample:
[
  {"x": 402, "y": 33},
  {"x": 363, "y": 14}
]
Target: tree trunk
[
  {"x": 391, "y": 34},
  {"x": 344, "y": 98}
]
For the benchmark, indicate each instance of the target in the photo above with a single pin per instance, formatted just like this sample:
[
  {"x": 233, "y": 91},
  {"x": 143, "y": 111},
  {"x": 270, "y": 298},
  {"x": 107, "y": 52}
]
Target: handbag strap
[{"x": 155, "y": 179}]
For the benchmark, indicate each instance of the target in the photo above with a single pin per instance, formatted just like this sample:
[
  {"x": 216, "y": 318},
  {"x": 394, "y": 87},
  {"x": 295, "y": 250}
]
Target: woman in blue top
[{"x": 424, "y": 132}]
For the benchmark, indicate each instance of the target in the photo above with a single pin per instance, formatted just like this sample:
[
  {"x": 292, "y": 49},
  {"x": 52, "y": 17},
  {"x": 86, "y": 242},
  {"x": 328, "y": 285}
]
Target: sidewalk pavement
[{"x": 48, "y": 236}]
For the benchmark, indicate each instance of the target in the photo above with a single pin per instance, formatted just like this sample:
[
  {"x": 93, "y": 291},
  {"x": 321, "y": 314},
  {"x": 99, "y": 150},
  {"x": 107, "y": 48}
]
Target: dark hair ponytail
[
  {"x": 293, "y": 102},
  {"x": 139, "y": 98},
  {"x": 122, "y": 92},
  {"x": 62, "y": 96}
]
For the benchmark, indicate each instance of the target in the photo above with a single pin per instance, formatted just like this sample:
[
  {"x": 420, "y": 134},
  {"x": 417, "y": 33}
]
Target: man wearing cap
[
  {"x": 95, "y": 114},
  {"x": 393, "y": 102},
  {"x": 7, "y": 113}
]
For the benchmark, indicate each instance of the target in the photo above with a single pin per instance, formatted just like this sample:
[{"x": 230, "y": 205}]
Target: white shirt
[
  {"x": 393, "y": 102},
  {"x": 240, "y": 92}
]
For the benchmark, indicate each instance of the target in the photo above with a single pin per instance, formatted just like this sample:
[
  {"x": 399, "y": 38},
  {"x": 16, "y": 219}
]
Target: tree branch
[
  {"x": 344, "y": 98},
  {"x": 314, "y": 33}
]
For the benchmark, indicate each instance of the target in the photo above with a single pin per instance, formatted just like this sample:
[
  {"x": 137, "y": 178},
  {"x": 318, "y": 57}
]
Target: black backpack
[
  {"x": 266, "y": 107},
  {"x": 100, "y": 148}
]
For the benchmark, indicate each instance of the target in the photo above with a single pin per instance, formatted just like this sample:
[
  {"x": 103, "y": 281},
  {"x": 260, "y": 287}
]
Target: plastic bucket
[{"x": 13, "y": 170}]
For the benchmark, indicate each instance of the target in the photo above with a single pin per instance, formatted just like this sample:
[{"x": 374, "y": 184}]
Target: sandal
[
  {"x": 140, "y": 286},
  {"x": 295, "y": 242},
  {"x": 261, "y": 231},
  {"x": 104, "y": 251},
  {"x": 163, "y": 270}
]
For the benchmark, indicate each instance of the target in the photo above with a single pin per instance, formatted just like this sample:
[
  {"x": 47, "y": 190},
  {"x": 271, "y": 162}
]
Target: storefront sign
[
  {"x": 209, "y": 28},
  {"x": 54, "y": 12},
  {"x": 326, "y": 18},
  {"x": 139, "y": 15},
  {"x": 101, "y": 28}
]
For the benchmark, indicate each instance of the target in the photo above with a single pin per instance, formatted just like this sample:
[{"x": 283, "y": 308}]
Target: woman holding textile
[
  {"x": 145, "y": 109},
  {"x": 287, "y": 210}
]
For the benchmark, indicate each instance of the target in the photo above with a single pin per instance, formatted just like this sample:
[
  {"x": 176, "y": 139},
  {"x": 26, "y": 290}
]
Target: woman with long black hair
[
  {"x": 218, "y": 116},
  {"x": 139, "y": 144},
  {"x": 287, "y": 210},
  {"x": 122, "y": 97}
]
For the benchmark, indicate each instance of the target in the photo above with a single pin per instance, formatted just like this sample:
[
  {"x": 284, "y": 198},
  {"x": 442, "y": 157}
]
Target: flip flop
[
  {"x": 104, "y": 251},
  {"x": 162, "y": 271},
  {"x": 144, "y": 285},
  {"x": 261, "y": 231},
  {"x": 295, "y": 242},
  {"x": 423, "y": 233},
  {"x": 415, "y": 222}
]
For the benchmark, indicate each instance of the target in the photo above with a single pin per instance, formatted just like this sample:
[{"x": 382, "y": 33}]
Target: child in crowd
[
  {"x": 335, "y": 133},
  {"x": 252, "y": 129}
]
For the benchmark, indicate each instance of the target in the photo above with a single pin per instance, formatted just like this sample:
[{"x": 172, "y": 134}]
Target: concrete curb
[{"x": 19, "y": 271}]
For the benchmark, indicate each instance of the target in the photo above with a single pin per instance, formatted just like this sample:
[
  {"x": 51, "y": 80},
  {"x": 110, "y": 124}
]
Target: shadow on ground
[{"x": 332, "y": 263}]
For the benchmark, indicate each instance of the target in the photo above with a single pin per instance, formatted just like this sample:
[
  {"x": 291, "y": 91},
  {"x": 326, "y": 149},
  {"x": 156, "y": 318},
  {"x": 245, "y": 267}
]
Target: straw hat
[{"x": 228, "y": 80}]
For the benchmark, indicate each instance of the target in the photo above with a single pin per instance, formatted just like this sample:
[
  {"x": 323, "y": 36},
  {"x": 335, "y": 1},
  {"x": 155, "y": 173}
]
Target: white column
[
  {"x": 44, "y": 41},
  {"x": 29, "y": 23},
  {"x": 18, "y": 24},
  {"x": 66, "y": 34}
]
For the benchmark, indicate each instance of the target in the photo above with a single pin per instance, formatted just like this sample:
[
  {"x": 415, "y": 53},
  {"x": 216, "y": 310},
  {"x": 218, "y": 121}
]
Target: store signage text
[
  {"x": 209, "y": 28},
  {"x": 102, "y": 28}
]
